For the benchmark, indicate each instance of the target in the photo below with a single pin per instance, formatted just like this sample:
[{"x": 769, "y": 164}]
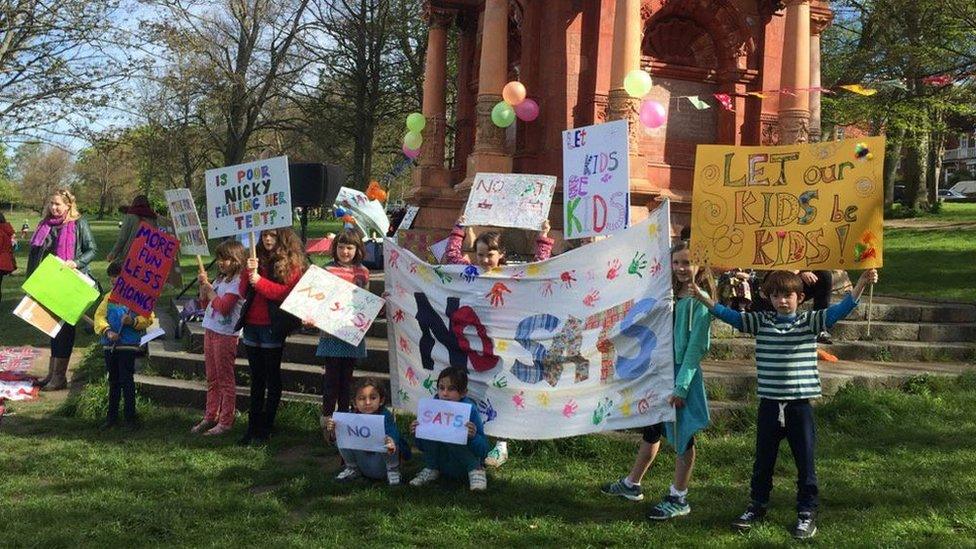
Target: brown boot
[
  {"x": 50, "y": 371},
  {"x": 59, "y": 380}
]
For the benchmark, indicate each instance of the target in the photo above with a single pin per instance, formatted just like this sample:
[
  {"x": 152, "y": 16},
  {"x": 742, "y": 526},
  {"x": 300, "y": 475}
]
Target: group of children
[{"x": 247, "y": 294}]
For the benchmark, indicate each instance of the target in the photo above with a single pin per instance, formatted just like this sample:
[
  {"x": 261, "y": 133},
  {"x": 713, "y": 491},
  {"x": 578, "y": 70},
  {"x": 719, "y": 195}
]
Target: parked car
[{"x": 950, "y": 195}]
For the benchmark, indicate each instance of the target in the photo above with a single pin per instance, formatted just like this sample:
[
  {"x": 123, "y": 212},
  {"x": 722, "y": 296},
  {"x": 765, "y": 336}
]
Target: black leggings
[
  {"x": 652, "y": 434},
  {"x": 63, "y": 343},
  {"x": 337, "y": 384},
  {"x": 265, "y": 365}
]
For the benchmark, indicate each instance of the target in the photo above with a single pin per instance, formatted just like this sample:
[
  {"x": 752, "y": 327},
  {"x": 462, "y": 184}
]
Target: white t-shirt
[{"x": 213, "y": 320}]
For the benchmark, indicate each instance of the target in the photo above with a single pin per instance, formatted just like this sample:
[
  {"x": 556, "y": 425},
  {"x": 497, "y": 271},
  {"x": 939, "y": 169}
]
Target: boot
[
  {"x": 50, "y": 371},
  {"x": 59, "y": 378}
]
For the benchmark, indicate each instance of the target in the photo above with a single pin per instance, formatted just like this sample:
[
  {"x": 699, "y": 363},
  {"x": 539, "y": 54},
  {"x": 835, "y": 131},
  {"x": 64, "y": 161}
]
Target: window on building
[{"x": 964, "y": 142}]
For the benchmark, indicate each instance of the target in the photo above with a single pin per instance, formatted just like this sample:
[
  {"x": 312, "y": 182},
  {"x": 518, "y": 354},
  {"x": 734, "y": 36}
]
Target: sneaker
[
  {"x": 425, "y": 476},
  {"x": 753, "y": 514},
  {"x": 825, "y": 338},
  {"x": 806, "y": 526},
  {"x": 217, "y": 430},
  {"x": 477, "y": 480},
  {"x": 202, "y": 426},
  {"x": 669, "y": 508},
  {"x": 393, "y": 477},
  {"x": 498, "y": 455},
  {"x": 349, "y": 473},
  {"x": 618, "y": 488}
]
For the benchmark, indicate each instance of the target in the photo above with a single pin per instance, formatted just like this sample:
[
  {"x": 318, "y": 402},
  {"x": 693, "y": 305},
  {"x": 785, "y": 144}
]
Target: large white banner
[
  {"x": 596, "y": 180},
  {"x": 248, "y": 197},
  {"x": 517, "y": 200},
  {"x": 576, "y": 344}
]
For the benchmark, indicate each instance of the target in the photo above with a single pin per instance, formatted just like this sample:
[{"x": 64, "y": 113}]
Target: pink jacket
[{"x": 454, "y": 256}]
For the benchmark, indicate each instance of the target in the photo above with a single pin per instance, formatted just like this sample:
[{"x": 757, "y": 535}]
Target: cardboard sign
[
  {"x": 145, "y": 269},
  {"x": 596, "y": 180},
  {"x": 443, "y": 420},
  {"x": 510, "y": 200},
  {"x": 804, "y": 206},
  {"x": 335, "y": 306},
  {"x": 186, "y": 222},
  {"x": 408, "y": 218},
  {"x": 369, "y": 214},
  {"x": 248, "y": 197},
  {"x": 67, "y": 293},
  {"x": 36, "y": 315},
  {"x": 360, "y": 431}
]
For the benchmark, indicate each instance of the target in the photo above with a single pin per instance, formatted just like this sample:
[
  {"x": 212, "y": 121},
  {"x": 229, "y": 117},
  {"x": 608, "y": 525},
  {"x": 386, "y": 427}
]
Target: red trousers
[{"x": 219, "y": 353}]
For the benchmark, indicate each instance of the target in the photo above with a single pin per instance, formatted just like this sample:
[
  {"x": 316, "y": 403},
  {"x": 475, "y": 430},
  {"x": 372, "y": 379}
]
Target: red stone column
[
  {"x": 794, "y": 108},
  {"x": 435, "y": 90},
  {"x": 821, "y": 16}
]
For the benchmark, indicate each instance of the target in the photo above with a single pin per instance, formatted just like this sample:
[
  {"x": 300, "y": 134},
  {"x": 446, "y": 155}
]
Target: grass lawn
[{"x": 895, "y": 467}]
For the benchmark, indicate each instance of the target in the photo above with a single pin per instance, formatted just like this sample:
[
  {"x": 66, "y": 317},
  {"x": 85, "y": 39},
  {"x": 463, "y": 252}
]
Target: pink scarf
[{"x": 66, "y": 238}]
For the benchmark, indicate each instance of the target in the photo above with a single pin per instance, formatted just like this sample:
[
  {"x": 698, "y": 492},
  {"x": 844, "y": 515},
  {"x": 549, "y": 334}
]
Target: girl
[
  {"x": 340, "y": 357},
  {"x": 64, "y": 232},
  {"x": 220, "y": 338},
  {"x": 454, "y": 460},
  {"x": 269, "y": 279},
  {"x": 490, "y": 253},
  {"x": 691, "y": 339},
  {"x": 371, "y": 399},
  {"x": 7, "y": 262}
]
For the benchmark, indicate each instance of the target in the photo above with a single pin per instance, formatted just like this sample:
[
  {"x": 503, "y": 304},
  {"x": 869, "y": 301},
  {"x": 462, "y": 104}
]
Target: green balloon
[
  {"x": 413, "y": 140},
  {"x": 503, "y": 115},
  {"x": 637, "y": 83},
  {"x": 416, "y": 122}
]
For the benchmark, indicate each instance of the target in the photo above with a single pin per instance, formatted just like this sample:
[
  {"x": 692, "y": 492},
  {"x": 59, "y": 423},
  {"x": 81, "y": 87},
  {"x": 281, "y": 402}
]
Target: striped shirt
[{"x": 786, "y": 347}]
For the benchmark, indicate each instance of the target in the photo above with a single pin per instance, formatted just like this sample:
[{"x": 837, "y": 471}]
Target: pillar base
[
  {"x": 440, "y": 205},
  {"x": 483, "y": 162}
]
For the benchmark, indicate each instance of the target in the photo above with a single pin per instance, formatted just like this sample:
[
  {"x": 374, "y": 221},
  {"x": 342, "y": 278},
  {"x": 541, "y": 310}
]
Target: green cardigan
[{"x": 692, "y": 327}]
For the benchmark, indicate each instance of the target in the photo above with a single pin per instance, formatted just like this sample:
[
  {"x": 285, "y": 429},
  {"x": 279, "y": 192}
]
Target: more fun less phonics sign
[
  {"x": 803, "y": 206},
  {"x": 145, "y": 269},
  {"x": 596, "y": 180},
  {"x": 248, "y": 197}
]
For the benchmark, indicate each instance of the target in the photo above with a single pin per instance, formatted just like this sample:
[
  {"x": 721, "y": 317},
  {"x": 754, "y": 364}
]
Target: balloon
[
  {"x": 375, "y": 192},
  {"x": 653, "y": 114},
  {"x": 527, "y": 110},
  {"x": 340, "y": 213},
  {"x": 416, "y": 122},
  {"x": 513, "y": 93},
  {"x": 348, "y": 218},
  {"x": 413, "y": 140},
  {"x": 637, "y": 83},
  {"x": 410, "y": 153},
  {"x": 503, "y": 115}
]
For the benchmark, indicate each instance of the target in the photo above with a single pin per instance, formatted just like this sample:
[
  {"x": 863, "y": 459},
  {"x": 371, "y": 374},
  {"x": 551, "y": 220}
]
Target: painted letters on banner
[
  {"x": 360, "y": 431},
  {"x": 248, "y": 197},
  {"x": 576, "y": 344},
  {"x": 443, "y": 420},
  {"x": 596, "y": 180},
  {"x": 805, "y": 206},
  {"x": 510, "y": 200},
  {"x": 186, "y": 222},
  {"x": 335, "y": 306},
  {"x": 145, "y": 269}
]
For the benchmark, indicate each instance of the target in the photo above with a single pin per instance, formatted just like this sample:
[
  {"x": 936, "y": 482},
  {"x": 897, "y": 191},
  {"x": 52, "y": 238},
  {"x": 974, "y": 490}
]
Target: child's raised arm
[
  {"x": 838, "y": 311},
  {"x": 723, "y": 313}
]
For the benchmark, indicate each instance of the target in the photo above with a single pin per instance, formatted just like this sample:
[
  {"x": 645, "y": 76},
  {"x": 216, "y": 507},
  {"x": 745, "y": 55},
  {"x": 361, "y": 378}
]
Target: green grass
[
  {"x": 930, "y": 263},
  {"x": 894, "y": 468}
]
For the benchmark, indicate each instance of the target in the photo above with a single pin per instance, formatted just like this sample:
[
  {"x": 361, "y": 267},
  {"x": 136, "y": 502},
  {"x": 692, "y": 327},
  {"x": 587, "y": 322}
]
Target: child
[
  {"x": 490, "y": 254},
  {"x": 454, "y": 460},
  {"x": 691, "y": 339},
  {"x": 371, "y": 399},
  {"x": 220, "y": 338},
  {"x": 269, "y": 279},
  {"x": 121, "y": 332},
  {"x": 786, "y": 361},
  {"x": 340, "y": 357}
]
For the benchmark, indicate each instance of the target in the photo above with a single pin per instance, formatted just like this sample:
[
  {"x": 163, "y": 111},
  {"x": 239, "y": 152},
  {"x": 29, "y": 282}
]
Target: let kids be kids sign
[
  {"x": 145, "y": 269},
  {"x": 803, "y": 206},
  {"x": 596, "y": 179},
  {"x": 248, "y": 197}
]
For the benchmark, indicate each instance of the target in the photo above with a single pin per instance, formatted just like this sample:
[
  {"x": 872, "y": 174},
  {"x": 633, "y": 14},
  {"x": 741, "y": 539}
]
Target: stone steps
[
  {"x": 193, "y": 393},
  {"x": 884, "y": 351}
]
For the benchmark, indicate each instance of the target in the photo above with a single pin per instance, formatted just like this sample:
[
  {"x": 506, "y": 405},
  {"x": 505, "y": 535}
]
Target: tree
[
  {"x": 40, "y": 169},
  {"x": 106, "y": 175}
]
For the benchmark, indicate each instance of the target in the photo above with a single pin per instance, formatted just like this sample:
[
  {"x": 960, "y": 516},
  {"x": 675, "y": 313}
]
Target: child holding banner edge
[
  {"x": 692, "y": 325},
  {"x": 269, "y": 279},
  {"x": 786, "y": 364}
]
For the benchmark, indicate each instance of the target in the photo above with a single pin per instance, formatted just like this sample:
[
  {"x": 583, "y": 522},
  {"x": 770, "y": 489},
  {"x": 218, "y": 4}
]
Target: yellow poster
[{"x": 801, "y": 207}]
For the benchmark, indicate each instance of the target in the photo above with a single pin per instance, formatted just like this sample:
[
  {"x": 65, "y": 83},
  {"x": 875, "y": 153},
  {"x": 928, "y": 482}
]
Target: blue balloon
[{"x": 339, "y": 212}]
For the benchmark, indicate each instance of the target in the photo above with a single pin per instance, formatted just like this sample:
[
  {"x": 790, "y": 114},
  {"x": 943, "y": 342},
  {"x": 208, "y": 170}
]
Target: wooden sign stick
[
  {"x": 200, "y": 265},
  {"x": 254, "y": 243},
  {"x": 870, "y": 306}
]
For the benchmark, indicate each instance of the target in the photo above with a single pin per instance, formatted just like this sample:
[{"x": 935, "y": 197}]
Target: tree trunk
[
  {"x": 913, "y": 173},
  {"x": 891, "y": 163}
]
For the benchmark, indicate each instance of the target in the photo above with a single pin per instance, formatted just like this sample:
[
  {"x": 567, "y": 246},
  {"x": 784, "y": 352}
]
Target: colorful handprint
[
  {"x": 591, "y": 298},
  {"x": 637, "y": 264},
  {"x": 518, "y": 399},
  {"x": 602, "y": 410},
  {"x": 613, "y": 269},
  {"x": 487, "y": 410},
  {"x": 470, "y": 273},
  {"x": 570, "y": 409},
  {"x": 567, "y": 278},
  {"x": 496, "y": 296}
]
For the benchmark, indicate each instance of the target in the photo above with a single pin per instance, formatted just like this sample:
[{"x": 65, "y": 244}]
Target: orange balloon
[
  {"x": 513, "y": 93},
  {"x": 349, "y": 219}
]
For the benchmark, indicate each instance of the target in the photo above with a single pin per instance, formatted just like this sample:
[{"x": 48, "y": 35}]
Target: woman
[
  {"x": 65, "y": 233},
  {"x": 140, "y": 211},
  {"x": 7, "y": 262}
]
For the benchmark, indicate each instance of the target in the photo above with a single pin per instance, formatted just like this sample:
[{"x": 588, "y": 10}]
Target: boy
[
  {"x": 786, "y": 364},
  {"x": 454, "y": 460},
  {"x": 121, "y": 332}
]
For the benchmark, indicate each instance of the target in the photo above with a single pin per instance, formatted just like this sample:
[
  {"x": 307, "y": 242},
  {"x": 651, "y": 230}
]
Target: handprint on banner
[
  {"x": 613, "y": 269},
  {"x": 500, "y": 381},
  {"x": 398, "y": 315},
  {"x": 404, "y": 344},
  {"x": 518, "y": 399},
  {"x": 547, "y": 289},
  {"x": 568, "y": 278},
  {"x": 496, "y": 296},
  {"x": 602, "y": 411},
  {"x": 570, "y": 409},
  {"x": 656, "y": 267},
  {"x": 411, "y": 376},
  {"x": 444, "y": 277},
  {"x": 404, "y": 396},
  {"x": 430, "y": 384},
  {"x": 591, "y": 298},
  {"x": 637, "y": 264},
  {"x": 487, "y": 410},
  {"x": 470, "y": 273},
  {"x": 394, "y": 259},
  {"x": 543, "y": 399}
]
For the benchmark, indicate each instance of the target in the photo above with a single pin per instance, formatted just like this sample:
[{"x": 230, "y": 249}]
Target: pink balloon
[
  {"x": 527, "y": 110},
  {"x": 410, "y": 153},
  {"x": 653, "y": 114}
]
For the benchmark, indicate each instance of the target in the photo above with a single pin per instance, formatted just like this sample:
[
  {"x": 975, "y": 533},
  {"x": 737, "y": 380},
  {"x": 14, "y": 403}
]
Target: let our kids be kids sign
[
  {"x": 145, "y": 269},
  {"x": 804, "y": 206},
  {"x": 248, "y": 197}
]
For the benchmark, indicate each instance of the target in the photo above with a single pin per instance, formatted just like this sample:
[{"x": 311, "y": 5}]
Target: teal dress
[{"x": 692, "y": 327}]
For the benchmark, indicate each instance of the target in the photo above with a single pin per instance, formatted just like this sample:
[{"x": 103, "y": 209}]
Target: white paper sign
[
  {"x": 596, "y": 180},
  {"x": 443, "y": 420},
  {"x": 370, "y": 214},
  {"x": 186, "y": 222},
  {"x": 38, "y": 316},
  {"x": 408, "y": 217},
  {"x": 439, "y": 248},
  {"x": 248, "y": 197},
  {"x": 360, "y": 431},
  {"x": 510, "y": 200},
  {"x": 335, "y": 306}
]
